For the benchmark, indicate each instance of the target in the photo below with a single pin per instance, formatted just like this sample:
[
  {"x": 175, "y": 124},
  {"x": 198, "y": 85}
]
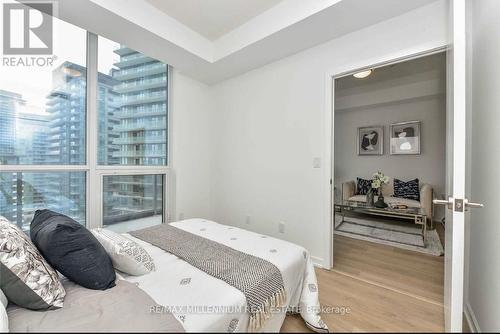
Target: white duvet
[{"x": 203, "y": 303}]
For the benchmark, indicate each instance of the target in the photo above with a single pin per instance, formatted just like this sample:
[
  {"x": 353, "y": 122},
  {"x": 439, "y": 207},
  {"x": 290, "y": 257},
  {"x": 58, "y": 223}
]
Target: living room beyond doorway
[
  {"x": 390, "y": 154},
  {"x": 389, "y": 165}
]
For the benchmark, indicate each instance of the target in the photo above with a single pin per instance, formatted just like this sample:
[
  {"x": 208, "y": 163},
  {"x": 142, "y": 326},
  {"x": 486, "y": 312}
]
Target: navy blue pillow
[
  {"x": 408, "y": 190},
  {"x": 363, "y": 186},
  {"x": 72, "y": 250}
]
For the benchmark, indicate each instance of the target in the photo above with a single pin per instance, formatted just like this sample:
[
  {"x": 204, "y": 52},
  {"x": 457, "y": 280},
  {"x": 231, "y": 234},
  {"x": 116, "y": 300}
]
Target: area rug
[{"x": 390, "y": 233}]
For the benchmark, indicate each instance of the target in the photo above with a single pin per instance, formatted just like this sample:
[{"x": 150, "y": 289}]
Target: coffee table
[{"x": 413, "y": 215}]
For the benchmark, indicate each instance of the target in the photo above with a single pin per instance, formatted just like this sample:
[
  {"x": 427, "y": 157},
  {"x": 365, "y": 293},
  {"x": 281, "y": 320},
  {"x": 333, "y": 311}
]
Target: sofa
[{"x": 426, "y": 195}]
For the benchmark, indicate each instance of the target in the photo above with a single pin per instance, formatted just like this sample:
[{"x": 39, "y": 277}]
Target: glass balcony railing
[
  {"x": 144, "y": 96},
  {"x": 132, "y": 57},
  {"x": 141, "y": 126},
  {"x": 141, "y": 83},
  {"x": 134, "y": 112},
  {"x": 140, "y": 69},
  {"x": 139, "y": 154},
  {"x": 140, "y": 140}
]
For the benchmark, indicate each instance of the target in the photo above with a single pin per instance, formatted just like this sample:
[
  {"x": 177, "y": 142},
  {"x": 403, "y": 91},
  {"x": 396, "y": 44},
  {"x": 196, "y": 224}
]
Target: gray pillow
[
  {"x": 72, "y": 250},
  {"x": 27, "y": 279}
]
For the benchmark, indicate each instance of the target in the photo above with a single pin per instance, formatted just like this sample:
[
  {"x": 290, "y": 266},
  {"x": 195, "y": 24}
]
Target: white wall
[
  {"x": 416, "y": 95},
  {"x": 191, "y": 108},
  {"x": 269, "y": 124},
  {"x": 483, "y": 297}
]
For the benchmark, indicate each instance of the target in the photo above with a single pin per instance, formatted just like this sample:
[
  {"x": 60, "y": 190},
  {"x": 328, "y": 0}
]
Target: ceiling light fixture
[{"x": 363, "y": 74}]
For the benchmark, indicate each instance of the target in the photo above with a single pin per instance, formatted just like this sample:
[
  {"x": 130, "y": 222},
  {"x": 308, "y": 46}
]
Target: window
[
  {"x": 45, "y": 158},
  {"x": 131, "y": 202},
  {"x": 43, "y": 122},
  {"x": 21, "y": 194},
  {"x": 42, "y": 107},
  {"x": 132, "y": 106}
]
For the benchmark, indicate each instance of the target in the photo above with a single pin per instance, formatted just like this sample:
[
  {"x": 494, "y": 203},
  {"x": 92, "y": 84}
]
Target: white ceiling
[
  {"x": 254, "y": 32},
  {"x": 213, "y": 18},
  {"x": 411, "y": 80}
]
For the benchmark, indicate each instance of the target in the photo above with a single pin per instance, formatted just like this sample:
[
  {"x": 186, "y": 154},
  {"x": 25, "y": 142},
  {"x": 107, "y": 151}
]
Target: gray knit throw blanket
[{"x": 259, "y": 280}]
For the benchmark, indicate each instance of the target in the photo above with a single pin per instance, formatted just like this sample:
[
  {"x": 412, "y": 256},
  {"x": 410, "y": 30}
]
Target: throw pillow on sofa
[
  {"x": 408, "y": 190},
  {"x": 363, "y": 186},
  {"x": 72, "y": 250},
  {"x": 127, "y": 255},
  {"x": 26, "y": 278}
]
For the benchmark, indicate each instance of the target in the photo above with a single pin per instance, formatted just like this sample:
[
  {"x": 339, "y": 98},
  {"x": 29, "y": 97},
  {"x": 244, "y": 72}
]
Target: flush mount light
[{"x": 363, "y": 74}]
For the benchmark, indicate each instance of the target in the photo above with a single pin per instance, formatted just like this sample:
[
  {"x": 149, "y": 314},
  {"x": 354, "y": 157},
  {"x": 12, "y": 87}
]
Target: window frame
[{"x": 95, "y": 173}]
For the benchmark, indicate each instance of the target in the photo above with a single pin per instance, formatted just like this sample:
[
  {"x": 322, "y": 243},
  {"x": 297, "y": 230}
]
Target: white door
[
  {"x": 456, "y": 169},
  {"x": 482, "y": 301}
]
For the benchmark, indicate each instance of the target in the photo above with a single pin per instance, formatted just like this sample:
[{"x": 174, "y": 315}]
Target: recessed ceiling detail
[
  {"x": 213, "y": 40},
  {"x": 213, "y": 18}
]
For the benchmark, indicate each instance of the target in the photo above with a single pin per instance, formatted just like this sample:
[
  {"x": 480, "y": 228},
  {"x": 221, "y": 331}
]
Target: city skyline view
[{"x": 132, "y": 130}]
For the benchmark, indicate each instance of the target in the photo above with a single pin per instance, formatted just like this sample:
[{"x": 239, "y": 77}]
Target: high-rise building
[
  {"x": 9, "y": 106},
  {"x": 142, "y": 135},
  {"x": 142, "y": 109},
  {"x": 32, "y": 138},
  {"x": 25, "y": 138},
  {"x": 107, "y": 121},
  {"x": 132, "y": 130},
  {"x": 66, "y": 105},
  {"x": 31, "y": 148}
]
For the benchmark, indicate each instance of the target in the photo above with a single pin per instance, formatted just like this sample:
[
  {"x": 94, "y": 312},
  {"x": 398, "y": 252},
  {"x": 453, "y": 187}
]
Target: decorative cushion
[
  {"x": 127, "y": 255},
  {"x": 71, "y": 249},
  {"x": 408, "y": 190},
  {"x": 363, "y": 186},
  {"x": 27, "y": 279}
]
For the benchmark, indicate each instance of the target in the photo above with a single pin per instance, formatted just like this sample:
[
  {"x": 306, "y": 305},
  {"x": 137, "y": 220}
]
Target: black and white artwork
[
  {"x": 405, "y": 138},
  {"x": 371, "y": 140}
]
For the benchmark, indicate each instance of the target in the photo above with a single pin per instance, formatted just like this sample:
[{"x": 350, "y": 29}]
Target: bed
[
  {"x": 178, "y": 296},
  {"x": 203, "y": 303}
]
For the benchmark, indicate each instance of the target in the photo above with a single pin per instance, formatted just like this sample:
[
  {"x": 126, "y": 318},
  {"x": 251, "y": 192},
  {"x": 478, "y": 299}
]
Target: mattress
[
  {"x": 203, "y": 303},
  {"x": 93, "y": 311}
]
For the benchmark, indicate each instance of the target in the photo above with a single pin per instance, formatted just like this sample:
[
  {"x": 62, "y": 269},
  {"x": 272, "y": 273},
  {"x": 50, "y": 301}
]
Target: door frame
[{"x": 329, "y": 121}]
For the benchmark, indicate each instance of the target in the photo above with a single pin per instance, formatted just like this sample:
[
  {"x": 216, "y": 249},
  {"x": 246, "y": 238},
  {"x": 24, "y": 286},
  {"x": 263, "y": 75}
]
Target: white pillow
[
  {"x": 4, "y": 320},
  {"x": 127, "y": 255},
  {"x": 3, "y": 299}
]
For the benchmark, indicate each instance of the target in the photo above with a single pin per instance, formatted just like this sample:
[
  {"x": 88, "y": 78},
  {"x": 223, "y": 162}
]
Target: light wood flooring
[{"x": 387, "y": 289}]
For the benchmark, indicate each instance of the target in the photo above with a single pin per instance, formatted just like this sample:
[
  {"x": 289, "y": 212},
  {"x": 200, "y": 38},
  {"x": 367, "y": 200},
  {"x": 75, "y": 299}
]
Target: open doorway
[{"x": 390, "y": 137}]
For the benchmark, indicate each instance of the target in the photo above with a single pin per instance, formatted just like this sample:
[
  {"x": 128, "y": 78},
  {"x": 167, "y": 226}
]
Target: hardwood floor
[{"x": 387, "y": 290}]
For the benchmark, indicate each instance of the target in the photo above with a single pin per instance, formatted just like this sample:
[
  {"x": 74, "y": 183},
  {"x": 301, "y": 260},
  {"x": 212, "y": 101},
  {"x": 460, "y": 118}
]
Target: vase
[
  {"x": 380, "y": 202},
  {"x": 370, "y": 197}
]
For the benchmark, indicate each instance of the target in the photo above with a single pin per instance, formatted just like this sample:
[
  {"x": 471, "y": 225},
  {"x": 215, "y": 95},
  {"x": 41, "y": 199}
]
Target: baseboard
[
  {"x": 471, "y": 319},
  {"x": 318, "y": 262}
]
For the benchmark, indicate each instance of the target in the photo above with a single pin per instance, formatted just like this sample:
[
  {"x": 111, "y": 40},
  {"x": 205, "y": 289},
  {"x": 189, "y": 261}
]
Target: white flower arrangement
[{"x": 379, "y": 179}]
